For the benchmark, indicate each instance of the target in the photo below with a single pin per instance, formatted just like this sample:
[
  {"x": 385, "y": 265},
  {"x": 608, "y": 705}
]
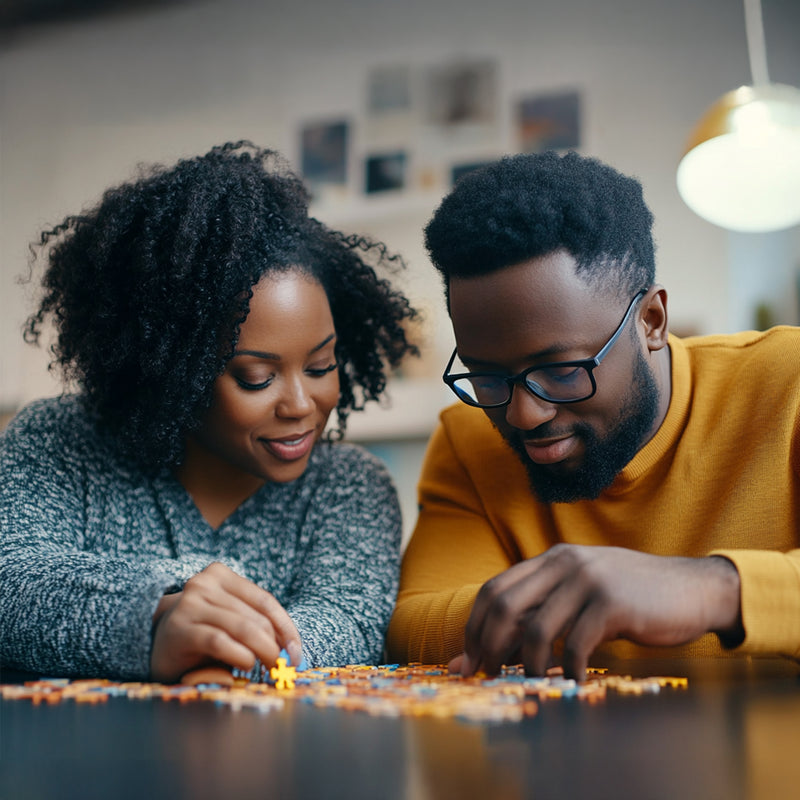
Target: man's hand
[
  {"x": 590, "y": 595},
  {"x": 219, "y": 617}
]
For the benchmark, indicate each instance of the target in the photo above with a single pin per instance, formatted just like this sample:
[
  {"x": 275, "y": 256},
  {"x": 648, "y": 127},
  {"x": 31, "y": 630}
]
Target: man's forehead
[{"x": 533, "y": 308}]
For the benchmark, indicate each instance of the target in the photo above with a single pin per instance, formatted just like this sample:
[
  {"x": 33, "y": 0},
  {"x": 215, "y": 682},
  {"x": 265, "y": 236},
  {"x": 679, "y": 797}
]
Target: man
[{"x": 602, "y": 484}]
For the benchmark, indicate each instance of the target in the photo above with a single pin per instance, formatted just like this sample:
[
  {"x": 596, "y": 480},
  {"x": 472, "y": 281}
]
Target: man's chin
[
  {"x": 551, "y": 483},
  {"x": 565, "y": 481},
  {"x": 557, "y": 484}
]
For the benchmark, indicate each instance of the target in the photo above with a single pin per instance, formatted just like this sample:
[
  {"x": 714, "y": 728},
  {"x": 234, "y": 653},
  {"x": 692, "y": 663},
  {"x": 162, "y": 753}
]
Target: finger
[
  {"x": 507, "y": 610},
  {"x": 589, "y": 630},
  {"x": 551, "y": 620},
  {"x": 455, "y": 664},
  {"x": 484, "y": 602},
  {"x": 494, "y": 586},
  {"x": 213, "y": 607},
  {"x": 254, "y": 633},
  {"x": 212, "y": 643},
  {"x": 219, "y": 585},
  {"x": 265, "y": 604},
  {"x": 206, "y": 600}
]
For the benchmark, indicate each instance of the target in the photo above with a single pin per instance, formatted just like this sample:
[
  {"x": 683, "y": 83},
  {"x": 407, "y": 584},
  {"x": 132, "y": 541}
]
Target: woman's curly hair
[
  {"x": 525, "y": 206},
  {"x": 148, "y": 290}
]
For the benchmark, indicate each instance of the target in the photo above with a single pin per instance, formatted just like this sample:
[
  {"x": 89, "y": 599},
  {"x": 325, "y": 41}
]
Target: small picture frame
[
  {"x": 389, "y": 90},
  {"x": 462, "y": 93},
  {"x": 385, "y": 172},
  {"x": 324, "y": 150},
  {"x": 549, "y": 122}
]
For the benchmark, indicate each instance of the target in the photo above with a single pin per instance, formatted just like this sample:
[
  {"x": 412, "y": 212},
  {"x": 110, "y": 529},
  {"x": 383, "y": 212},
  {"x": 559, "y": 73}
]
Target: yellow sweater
[{"x": 721, "y": 475}]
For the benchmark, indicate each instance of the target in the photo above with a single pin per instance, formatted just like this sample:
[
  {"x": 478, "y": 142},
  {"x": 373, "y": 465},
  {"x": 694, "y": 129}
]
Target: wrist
[
  {"x": 725, "y": 604},
  {"x": 165, "y": 604}
]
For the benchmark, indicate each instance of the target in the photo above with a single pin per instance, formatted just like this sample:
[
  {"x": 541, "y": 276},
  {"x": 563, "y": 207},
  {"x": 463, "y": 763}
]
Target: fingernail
[{"x": 296, "y": 653}]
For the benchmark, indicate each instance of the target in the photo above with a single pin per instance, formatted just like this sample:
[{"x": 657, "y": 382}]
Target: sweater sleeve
[
  {"x": 65, "y": 610},
  {"x": 454, "y": 549},
  {"x": 346, "y": 581},
  {"x": 770, "y": 598}
]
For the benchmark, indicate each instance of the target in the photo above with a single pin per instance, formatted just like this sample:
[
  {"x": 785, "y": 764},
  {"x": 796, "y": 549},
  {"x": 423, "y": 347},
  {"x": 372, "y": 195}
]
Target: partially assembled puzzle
[{"x": 386, "y": 690}]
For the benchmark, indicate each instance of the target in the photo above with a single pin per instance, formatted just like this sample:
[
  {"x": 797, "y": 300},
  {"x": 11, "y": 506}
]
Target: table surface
[{"x": 734, "y": 733}]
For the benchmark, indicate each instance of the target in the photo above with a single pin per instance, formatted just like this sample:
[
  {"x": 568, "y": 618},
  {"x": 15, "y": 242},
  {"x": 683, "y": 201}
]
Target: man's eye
[
  {"x": 486, "y": 382},
  {"x": 562, "y": 374}
]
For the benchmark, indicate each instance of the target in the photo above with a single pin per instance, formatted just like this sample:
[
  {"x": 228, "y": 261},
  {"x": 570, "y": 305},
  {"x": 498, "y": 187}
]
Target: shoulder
[
  {"x": 774, "y": 351},
  {"x": 61, "y": 432},
  {"x": 64, "y": 416},
  {"x": 781, "y": 338}
]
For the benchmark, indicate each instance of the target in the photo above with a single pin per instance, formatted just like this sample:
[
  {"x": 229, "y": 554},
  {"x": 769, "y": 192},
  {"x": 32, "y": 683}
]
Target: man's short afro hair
[{"x": 525, "y": 206}]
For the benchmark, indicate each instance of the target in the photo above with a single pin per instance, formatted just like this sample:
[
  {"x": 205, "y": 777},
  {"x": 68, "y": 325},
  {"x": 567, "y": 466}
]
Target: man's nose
[{"x": 526, "y": 411}]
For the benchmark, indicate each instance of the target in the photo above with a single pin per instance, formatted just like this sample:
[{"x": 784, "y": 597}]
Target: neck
[
  {"x": 661, "y": 364},
  {"x": 216, "y": 487}
]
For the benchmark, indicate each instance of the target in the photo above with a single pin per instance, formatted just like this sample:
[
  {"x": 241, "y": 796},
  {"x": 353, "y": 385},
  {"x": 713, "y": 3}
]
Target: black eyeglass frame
[{"x": 589, "y": 364}]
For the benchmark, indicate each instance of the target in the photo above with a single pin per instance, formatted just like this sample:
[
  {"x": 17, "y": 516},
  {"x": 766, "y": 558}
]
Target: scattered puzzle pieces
[{"x": 389, "y": 690}]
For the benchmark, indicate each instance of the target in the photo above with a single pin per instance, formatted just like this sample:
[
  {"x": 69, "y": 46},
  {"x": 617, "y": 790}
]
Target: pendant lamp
[{"x": 741, "y": 168}]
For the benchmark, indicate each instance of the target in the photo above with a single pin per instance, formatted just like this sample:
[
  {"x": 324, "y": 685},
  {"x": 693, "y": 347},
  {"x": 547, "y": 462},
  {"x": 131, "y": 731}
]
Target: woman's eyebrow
[
  {"x": 258, "y": 354},
  {"x": 275, "y": 357},
  {"x": 323, "y": 343}
]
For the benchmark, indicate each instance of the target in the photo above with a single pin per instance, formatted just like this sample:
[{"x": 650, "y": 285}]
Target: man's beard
[{"x": 603, "y": 458}]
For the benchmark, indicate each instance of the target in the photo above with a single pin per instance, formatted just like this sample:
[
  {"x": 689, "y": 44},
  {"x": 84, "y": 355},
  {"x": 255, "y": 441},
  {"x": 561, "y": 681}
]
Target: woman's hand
[{"x": 219, "y": 617}]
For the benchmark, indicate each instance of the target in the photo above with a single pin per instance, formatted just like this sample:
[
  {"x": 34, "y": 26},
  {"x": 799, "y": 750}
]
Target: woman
[{"x": 185, "y": 508}]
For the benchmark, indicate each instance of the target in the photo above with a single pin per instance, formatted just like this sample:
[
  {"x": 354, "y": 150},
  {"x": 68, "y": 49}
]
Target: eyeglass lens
[{"x": 560, "y": 383}]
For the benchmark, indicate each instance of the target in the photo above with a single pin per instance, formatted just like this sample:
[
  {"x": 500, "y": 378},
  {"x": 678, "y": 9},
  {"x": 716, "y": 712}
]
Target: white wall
[{"x": 83, "y": 103}]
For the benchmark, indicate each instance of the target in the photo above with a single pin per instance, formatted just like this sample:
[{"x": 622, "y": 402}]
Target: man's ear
[{"x": 653, "y": 313}]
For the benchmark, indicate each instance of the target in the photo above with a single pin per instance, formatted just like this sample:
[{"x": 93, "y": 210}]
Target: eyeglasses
[{"x": 557, "y": 382}]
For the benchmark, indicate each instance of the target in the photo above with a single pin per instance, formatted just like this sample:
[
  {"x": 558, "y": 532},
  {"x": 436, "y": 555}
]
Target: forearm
[
  {"x": 78, "y": 614},
  {"x": 332, "y": 637},
  {"x": 342, "y": 614},
  {"x": 429, "y": 627}
]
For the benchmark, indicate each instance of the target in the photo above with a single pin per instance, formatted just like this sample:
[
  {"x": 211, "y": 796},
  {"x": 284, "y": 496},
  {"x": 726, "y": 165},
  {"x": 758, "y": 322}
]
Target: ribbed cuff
[{"x": 770, "y": 600}]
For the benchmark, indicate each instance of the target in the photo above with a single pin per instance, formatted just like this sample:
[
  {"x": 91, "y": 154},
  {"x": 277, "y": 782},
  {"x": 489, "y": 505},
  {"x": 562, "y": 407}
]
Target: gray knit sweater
[{"x": 88, "y": 545}]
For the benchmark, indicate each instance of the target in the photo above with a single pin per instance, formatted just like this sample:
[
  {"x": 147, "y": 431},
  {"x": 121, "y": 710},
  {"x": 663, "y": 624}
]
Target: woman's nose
[{"x": 296, "y": 400}]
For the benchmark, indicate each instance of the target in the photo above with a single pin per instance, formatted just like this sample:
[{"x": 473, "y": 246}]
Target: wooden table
[{"x": 734, "y": 733}]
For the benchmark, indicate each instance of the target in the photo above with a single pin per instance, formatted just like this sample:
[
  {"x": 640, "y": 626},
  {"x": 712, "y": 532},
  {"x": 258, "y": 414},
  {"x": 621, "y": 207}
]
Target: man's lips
[
  {"x": 549, "y": 451},
  {"x": 291, "y": 447}
]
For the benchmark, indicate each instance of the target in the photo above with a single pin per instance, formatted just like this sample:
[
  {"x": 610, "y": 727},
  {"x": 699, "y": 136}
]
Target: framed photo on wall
[
  {"x": 324, "y": 151},
  {"x": 549, "y": 122},
  {"x": 385, "y": 172}
]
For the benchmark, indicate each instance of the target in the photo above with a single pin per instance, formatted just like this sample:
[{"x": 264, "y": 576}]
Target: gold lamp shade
[{"x": 741, "y": 168}]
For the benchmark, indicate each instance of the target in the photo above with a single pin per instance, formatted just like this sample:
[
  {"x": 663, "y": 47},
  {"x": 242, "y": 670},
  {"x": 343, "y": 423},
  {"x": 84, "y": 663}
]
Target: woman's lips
[
  {"x": 290, "y": 448},
  {"x": 549, "y": 452}
]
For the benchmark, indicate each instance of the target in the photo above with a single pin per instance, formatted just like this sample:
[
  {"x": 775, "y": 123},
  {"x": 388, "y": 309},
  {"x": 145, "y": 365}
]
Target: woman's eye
[
  {"x": 318, "y": 372},
  {"x": 252, "y": 386}
]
